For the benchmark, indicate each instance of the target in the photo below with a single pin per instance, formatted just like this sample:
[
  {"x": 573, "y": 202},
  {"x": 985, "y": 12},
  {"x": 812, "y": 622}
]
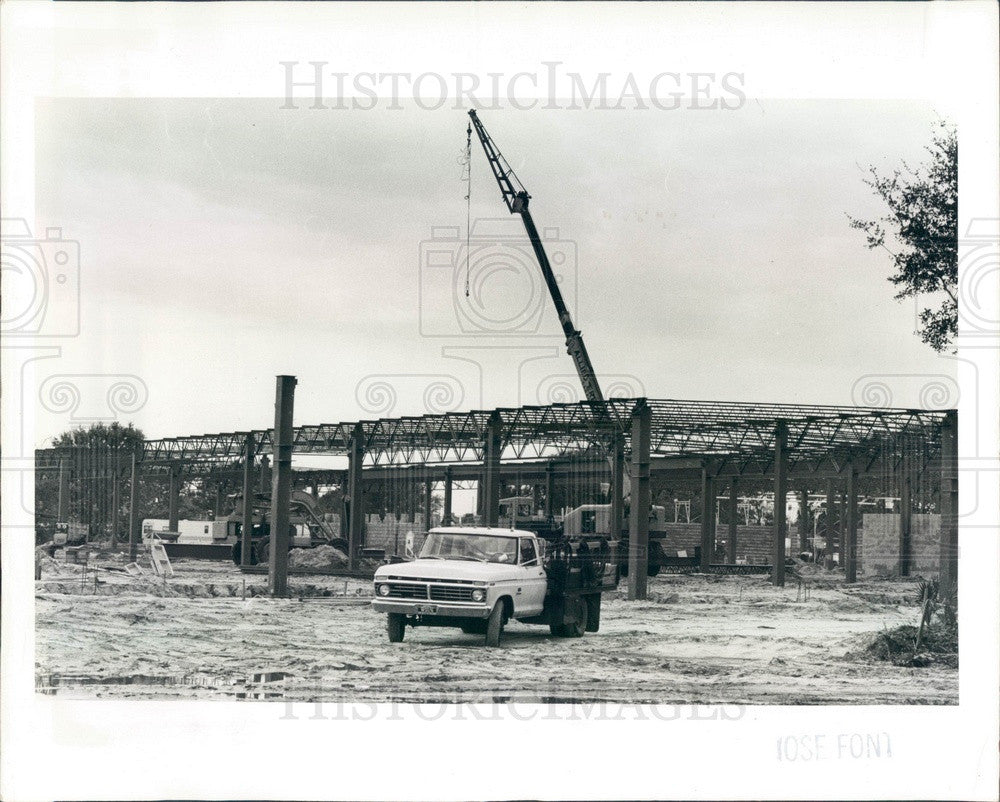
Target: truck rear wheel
[
  {"x": 263, "y": 551},
  {"x": 397, "y": 627},
  {"x": 579, "y": 607},
  {"x": 494, "y": 624}
]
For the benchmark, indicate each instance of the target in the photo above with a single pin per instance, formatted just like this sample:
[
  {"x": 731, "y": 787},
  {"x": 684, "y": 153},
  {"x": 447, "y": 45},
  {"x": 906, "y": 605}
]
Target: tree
[
  {"x": 922, "y": 228},
  {"x": 91, "y": 449}
]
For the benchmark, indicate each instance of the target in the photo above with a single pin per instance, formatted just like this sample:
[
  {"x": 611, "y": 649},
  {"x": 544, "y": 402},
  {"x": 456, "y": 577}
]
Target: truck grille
[
  {"x": 401, "y": 591},
  {"x": 449, "y": 593}
]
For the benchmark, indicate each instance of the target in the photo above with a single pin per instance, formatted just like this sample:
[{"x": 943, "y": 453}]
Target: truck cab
[{"x": 479, "y": 578}]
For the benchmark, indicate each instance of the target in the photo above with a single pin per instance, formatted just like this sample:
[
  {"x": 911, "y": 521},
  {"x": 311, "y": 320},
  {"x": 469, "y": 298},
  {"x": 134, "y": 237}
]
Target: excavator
[{"x": 516, "y": 199}]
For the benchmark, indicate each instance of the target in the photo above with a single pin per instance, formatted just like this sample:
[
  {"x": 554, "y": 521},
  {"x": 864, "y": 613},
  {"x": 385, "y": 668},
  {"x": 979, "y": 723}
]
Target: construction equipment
[{"x": 516, "y": 198}]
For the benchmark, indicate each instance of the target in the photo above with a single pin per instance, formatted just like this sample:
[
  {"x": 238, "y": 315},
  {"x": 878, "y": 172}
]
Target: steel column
[
  {"x": 948, "y": 577},
  {"x": 804, "y": 519},
  {"x": 355, "y": 499},
  {"x": 134, "y": 524},
  {"x": 905, "y": 512},
  {"x": 173, "y": 494},
  {"x": 638, "y": 549},
  {"x": 62, "y": 514},
  {"x": 850, "y": 543},
  {"x": 246, "y": 534},
  {"x": 550, "y": 486},
  {"x": 707, "y": 518},
  {"x": 733, "y": 520},
  {"x": 428, "y": 502},
  {"x": 491, "y": 470},
  {"x": 830, "y": 525},
  {"x": 116, "y": 501},
  {"x": 264, "y": 486},
  {"x": 780, "y": 493},
  {"x": 281, "y": 484},
  {"x": 446, "y": 510},
  {"x": 617, "y": 523}
]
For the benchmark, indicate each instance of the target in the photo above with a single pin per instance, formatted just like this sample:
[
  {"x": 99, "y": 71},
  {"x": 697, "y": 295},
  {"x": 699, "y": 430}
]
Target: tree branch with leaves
[{"x": 920, "y": 234}]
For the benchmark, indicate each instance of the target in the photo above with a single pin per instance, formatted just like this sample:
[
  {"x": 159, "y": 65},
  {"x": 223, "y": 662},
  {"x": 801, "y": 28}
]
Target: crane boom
[{"x": 516, "y": 199}]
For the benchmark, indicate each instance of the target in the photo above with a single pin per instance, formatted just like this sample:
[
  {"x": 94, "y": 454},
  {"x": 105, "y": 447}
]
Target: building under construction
[{"x": 628, "y": 454}]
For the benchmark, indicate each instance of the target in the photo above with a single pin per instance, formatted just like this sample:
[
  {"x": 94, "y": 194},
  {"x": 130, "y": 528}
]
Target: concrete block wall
[
  {"x": 753, "y": 543},
  {"x": 878, "y": 545}
]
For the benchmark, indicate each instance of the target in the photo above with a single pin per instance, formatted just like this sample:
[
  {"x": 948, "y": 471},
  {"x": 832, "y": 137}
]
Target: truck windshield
[{"x": 459, "y": 546}]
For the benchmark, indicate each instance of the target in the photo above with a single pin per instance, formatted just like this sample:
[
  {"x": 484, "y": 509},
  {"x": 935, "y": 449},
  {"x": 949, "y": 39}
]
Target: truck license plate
[{"x": 427, "y": 608}]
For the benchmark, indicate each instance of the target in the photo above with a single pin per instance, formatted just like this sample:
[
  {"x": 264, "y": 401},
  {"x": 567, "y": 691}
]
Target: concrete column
[
  {"x": 948, "y": 577},
  {"x": 355, "y": 500},
  {"x": 446, "y": 515},
  {"x": 707, "y": 518},
  {"x": 246, "y": 536},
  {"x": 491, "y": 472},
  {"x": 780, "y": 492},
  {"x": 428, "y": 502},
  {"x": 281, "y": 484},
  {"x": 850, "y": 544},
  {"x": 134, "y": 523},
  {"x": 617, "y": 489},
  {"x": 63, "y": 508},
  {"x": 733, "y": 520},
  {"x": 905, "y": 511},
  {"x": 638, "y": 547},
  {"x": 830, "y": 527},
  {"x": 550, "y": 486},
  {"x": 173, "y": 498}
]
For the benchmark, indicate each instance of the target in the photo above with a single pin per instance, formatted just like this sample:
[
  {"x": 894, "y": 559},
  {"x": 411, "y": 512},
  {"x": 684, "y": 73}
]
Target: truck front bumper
[{"x": 430, "y": 608}]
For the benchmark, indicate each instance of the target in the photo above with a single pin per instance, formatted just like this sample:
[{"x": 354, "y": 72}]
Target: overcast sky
[{"x": 705, "y": 255}]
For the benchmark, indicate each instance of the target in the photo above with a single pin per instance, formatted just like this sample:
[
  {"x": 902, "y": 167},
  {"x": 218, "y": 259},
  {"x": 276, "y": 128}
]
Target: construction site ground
[{"x": 211, "y": 632}]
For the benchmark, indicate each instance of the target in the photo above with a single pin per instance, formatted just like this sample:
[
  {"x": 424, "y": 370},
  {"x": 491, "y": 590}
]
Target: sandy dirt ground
[{"x": 208, "y": 632}]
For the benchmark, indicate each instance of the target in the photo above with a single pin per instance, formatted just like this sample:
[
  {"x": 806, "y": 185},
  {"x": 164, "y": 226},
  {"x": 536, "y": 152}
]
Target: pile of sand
[{"x": 317, "y": 558}]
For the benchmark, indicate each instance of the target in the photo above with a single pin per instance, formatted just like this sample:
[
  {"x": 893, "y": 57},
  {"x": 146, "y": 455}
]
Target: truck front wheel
[
  {"x": 494, "y": 625},
  {"x": 397, "y": 627}
]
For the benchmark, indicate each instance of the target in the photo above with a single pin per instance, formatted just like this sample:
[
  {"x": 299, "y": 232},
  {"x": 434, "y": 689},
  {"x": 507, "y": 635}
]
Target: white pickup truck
[{"x": 478, "y": 578}]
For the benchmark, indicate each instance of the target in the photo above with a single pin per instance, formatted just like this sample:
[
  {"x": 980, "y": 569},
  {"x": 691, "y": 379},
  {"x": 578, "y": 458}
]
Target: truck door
[{"x": 532, "y": 598}]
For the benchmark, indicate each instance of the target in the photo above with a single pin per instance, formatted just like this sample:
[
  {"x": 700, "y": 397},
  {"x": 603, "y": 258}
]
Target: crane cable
[{"x": 468, "y": 203}]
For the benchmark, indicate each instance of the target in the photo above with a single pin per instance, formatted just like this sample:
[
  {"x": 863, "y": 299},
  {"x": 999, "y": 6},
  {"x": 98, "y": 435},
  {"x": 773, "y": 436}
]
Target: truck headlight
[
  {"x": 383, "y": 590},
  {"x": 478, "y": 595}
]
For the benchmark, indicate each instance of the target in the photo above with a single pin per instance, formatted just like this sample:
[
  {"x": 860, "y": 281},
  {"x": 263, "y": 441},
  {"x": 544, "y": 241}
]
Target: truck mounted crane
[{"x": 516, "y": 198}]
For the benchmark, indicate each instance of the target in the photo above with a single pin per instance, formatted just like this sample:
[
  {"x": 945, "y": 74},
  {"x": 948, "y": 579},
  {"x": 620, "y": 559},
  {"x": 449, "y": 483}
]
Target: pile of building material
[{"x": 321, "y": 557}]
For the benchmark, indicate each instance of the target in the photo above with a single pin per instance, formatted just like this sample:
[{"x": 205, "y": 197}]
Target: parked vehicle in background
[{"x": 595, "y": 519}]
